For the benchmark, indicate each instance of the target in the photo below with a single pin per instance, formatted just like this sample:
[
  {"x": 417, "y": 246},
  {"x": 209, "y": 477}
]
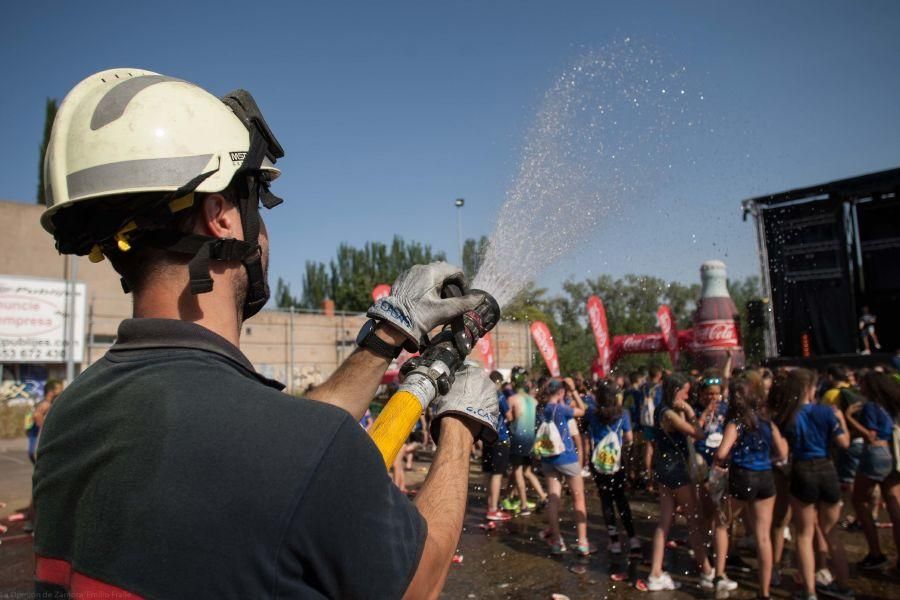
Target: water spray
[{"x": 432, "y": 372}]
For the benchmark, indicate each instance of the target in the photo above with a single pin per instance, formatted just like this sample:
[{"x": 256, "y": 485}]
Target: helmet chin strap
[
  {"x": 252, "y": 191},
  {"x": 203, "y": 248}
]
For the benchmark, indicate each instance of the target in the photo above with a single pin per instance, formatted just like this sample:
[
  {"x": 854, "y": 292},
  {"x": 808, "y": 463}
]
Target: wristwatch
[{"x": 368, "y": 339}]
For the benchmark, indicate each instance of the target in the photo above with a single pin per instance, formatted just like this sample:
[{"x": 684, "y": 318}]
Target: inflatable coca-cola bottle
[{"x": 716, "y": 321}]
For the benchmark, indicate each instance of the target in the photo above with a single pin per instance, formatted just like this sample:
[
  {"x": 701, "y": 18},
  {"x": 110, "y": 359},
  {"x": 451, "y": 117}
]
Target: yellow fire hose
[{"x": 391, "y": 428}]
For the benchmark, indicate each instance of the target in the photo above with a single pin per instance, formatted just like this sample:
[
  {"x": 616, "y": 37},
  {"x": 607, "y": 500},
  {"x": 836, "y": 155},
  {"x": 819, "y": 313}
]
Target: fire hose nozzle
[{"x": 432, "y": 372}]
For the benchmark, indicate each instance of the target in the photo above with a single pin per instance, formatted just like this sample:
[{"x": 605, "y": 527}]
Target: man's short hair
[
  {"x": 135, "y": 265},
  {"x": 496, "y": 377},
  {"x": 838, "y": 373}
]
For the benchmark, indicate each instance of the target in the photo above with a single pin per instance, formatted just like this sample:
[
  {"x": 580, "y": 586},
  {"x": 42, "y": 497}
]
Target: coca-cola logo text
[
  {"x": 641, "y": 342},
  {"x": 715, "y": 334}
]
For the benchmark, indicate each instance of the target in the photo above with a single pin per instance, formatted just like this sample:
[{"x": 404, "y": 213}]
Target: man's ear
[{"x": 219, "y": 217}]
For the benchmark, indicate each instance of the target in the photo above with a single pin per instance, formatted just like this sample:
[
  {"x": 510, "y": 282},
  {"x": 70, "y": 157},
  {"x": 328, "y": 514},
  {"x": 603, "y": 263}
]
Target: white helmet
[
  {"x": 124, "y": 131},
  {"x": 130, "y": 147}
]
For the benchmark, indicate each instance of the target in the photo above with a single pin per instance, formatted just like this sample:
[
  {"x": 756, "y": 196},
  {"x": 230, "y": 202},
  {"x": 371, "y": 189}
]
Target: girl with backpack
[
  {"x": 751, "y": 441},
  {"x": 561, "y": 462},
  {"x": 810, "y": 429},
  {"x": 875, "y": 420},
  {"x": 676, "y": 427},
  {"x": 610, "y": 430}
]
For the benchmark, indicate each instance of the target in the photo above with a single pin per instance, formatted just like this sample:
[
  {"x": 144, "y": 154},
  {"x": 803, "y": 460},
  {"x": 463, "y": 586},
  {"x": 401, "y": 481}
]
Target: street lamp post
[{"x": 460, "y": 202}]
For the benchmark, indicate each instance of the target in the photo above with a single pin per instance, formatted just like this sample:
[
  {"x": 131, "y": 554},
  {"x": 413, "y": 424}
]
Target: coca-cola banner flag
[
  {"x": 597, "y": 317},
  {"x": 718, "y": 333},
  {"x": 485, "y": 350},
  {"x": 669, "y": 334},
  {"x": 541, "y": 334},
  {"x": 382, "y": 290}
]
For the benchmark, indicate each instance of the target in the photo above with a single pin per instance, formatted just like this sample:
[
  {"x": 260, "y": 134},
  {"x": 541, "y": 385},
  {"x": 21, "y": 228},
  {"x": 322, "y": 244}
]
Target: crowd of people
[{"x": 788, "y": 455}]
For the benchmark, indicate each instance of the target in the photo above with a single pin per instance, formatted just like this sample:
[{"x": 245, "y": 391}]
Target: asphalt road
[{"x": 508, "y": 563}]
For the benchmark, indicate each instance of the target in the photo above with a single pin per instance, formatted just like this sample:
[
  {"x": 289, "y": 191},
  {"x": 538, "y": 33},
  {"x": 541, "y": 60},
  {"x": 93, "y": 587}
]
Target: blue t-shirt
[
  {"x": 753, "y": 449},
  {"x": 560, "y": 414},
  {"x": 599, "y": 430},
  {"x": 811, "y": 431},
  {"x": 502, "y": 427},
  {"x": 874, "y": 417},
  {"x": 714, "y": 429}
]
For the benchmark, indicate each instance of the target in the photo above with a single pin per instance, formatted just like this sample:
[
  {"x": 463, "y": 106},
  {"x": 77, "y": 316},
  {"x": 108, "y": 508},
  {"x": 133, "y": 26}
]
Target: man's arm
[
  {"x": 353, "y": 385},
  {"x": 442, "y": 503}
]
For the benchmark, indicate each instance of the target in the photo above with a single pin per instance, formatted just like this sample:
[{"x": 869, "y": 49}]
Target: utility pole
[
  {"x": 460, "y": 202},
  {"x": 290, "y": 377}
]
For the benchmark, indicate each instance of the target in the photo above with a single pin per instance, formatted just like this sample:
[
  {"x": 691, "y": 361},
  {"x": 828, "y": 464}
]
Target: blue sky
[{"x": 389, "y": 111}]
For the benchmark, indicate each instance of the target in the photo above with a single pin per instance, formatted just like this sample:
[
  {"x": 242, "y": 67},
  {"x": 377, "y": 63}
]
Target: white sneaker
[
  {"x": 662, "y": 583},
  {"x": 824, "y": 577},
  {"x": 707, "y": 581},
  {"x": 586, "y": 472},
  {"x": 615, "y": 548},
  {"x": 724, "y": 586},
  {"x": 634, "y": 543}
]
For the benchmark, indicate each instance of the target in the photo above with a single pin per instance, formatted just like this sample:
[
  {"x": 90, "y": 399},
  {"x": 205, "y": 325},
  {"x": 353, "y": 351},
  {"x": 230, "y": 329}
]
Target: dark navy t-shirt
[
  {"x": 632, "y": 399},
  {"x": 171, "y": 469},
  {"x": 811, "y": 431}
]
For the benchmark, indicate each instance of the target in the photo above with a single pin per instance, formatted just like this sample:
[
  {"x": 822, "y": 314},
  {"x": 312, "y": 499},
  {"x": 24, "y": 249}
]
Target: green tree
[
  {"x": 283, "y": 297},
  {"x": 316, "y": 285},
  {"x": 350, "y": 276},
  {"x": 50, "y": 108},
  {"x": 529, "y": 305},
  {"x": 472, "y": 255}
]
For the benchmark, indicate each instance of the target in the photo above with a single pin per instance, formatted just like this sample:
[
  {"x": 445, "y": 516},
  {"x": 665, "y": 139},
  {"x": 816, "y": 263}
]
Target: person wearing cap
[{"x": 170, "y": 468}]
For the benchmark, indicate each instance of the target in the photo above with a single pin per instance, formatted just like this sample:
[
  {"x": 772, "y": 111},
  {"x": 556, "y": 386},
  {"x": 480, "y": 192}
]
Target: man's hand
[
  {"x": 472, "y": 397},
  {"x": 415, "y": 306}
]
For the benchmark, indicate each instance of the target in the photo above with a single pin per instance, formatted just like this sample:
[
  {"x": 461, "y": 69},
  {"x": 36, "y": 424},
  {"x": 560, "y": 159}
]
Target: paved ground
[{"x": 509, "y": 563}]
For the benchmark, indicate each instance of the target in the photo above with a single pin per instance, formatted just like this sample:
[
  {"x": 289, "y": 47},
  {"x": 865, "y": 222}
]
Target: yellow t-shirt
[{"x": 832, "y": 396}]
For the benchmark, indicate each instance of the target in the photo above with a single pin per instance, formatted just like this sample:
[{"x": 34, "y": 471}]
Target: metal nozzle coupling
[{"x": 440, "y": 360}]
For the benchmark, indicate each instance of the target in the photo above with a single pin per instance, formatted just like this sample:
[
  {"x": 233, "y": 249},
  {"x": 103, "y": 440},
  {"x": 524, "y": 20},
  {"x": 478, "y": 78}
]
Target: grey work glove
[
  {"x": 473, "y": 396},
  {"x": 415, "y": 306}
]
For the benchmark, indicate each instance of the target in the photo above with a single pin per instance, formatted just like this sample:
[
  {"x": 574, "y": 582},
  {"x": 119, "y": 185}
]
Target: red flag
[
  {"x": 669, "y": 333},
  {"x": 485, "y": 348},
  {"x": 597, "y": 317},
  {"x": 382, "y": 290},
  {"x": 541, "y": 334}
]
